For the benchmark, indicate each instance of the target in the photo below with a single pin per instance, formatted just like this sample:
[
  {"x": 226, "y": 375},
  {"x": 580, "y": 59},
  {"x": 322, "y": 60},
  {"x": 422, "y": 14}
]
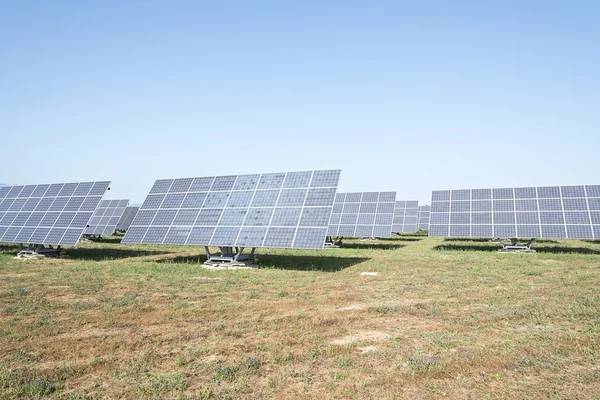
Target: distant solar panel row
[
  {"x": 281, "y": 210},
  {"x": 528, "y": 212},
  {"x": 127, "y": 217},
  {"x": 55, "y": 214},
  {"x": 106, "y": 217},
  {"x": 423, "y": 217},
  {"x": 368, "y": 214},
  {"x": 405, "y": 216}
]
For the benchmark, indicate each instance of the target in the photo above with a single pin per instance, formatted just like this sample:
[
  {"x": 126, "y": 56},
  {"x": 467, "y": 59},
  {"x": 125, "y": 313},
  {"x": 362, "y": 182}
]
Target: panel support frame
[
  {"x": 515, "y": 247},
  {"x": 230, "y": 256},
  {"x": 333, "y": 241},
  {"x": 91, "y": 237},
  {"x": 34, "y": 250}
]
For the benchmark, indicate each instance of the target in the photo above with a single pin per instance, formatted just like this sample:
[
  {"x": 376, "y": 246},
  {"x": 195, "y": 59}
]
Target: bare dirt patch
[
  {"x": 397, "y": 304},
  {"x": 362, "y": 337},
  {"x": 91, "y": 333},
  {"x": 548, "y": 261},
  {"x": 73, "y": 299},
  {"x": 206, "y": 278},
  {"x": 159, "y": 295},
  {"x": 368, "y": 349},
  {"x": 352, "y": 307},
  {"x": 15, "y": 275}
]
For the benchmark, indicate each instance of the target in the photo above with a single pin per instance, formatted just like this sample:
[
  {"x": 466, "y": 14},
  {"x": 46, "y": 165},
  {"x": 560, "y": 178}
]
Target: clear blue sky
[{"x": 409, "y": 97}]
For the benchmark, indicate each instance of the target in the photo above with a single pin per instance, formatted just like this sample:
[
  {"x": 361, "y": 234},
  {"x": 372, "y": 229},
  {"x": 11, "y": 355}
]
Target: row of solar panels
[
  {"x": 282, "y": 210},
  {"x": 289, "y": 210},
  {"x": 536, "y": 212}
]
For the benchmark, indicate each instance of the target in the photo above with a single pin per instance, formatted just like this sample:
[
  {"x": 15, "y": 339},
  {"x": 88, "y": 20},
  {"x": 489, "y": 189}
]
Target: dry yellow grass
[{"x": 113, "y": 321}]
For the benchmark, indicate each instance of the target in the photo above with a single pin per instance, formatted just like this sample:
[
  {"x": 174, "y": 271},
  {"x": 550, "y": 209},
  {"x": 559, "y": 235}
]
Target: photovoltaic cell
[
  {"x": 51, "y": 214},
  {"x": 282, "y": 210},
  {"x": 363, "y": 214},
  {"x": 529, "y": 212}
]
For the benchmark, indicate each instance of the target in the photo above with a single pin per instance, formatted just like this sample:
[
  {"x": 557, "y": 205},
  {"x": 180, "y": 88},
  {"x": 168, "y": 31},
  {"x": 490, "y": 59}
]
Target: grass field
[{"x": 442, "y": 319}]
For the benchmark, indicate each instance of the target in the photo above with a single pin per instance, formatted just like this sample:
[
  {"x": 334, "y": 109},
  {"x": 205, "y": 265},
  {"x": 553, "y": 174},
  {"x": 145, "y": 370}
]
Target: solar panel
[
  {"x": 405, "y": 216},
  {"x": 127, "y": 218},
  {"x": 106, "y": 217},
  {"x": 281, "y": 210},
  {"x": 527, "y": 212},
  {"x": 54, "y": 214},
  {"x": 365, "y": 214},
  {"x": 423, "y": 217}
]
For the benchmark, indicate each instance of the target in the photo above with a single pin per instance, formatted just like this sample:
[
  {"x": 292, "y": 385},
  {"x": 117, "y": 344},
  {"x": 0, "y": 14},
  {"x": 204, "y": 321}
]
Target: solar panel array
[
  {"x": 423, "y": 217},
  {"x": 127, "y": 218},
  {"x": 54, "y": 214},
  {"x": 528, "y": 212},
  {"x": 106, "y": 217},
  {"x": 279, "y": 210},
  {"x": 405, "y": 216},
  {"x": 368, "y": 214}
]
